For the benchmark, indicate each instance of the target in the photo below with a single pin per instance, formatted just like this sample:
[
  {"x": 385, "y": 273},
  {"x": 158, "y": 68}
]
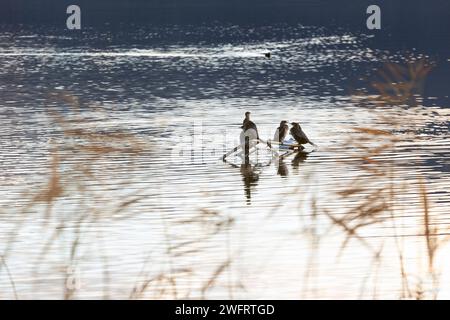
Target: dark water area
[
  {"x": 408, "y": 27},
  {"x": 409, "y": 24}
]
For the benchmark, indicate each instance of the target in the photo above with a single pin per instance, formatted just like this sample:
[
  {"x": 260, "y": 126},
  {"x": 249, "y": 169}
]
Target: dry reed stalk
[
  {"x": 10, "y": 278},
  {"x": 399, "y": 86},
  {"x": 73, "y": 161}
]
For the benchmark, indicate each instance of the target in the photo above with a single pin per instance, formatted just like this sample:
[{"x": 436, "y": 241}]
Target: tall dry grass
[
  {"x": 374, "y": 197},
  {"x": 378, "y": 192},
  {"x": 77, "y": 155}
]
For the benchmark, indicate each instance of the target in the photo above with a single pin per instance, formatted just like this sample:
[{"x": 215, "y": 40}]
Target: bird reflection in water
[
  {"x": 283, "y": 170},
  {"x": 250, "y": 176},
  {"x": 250, "y": 172},
  {"x": 300, "y": 157}
]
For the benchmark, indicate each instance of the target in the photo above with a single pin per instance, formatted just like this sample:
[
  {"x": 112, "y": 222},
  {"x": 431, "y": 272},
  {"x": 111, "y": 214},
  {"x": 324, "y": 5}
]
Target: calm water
[{"x": 176, "y": 219}]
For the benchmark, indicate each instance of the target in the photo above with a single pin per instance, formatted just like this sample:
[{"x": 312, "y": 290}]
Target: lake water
[{"x": 173, "y": 220}]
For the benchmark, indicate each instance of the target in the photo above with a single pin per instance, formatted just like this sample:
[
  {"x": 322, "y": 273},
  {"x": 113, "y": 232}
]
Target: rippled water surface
[{"x": 173, "y": 219}]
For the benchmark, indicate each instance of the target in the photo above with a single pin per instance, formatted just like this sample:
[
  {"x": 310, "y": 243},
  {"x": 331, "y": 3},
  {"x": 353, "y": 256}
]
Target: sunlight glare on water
[{"x": 195, "y": 214}]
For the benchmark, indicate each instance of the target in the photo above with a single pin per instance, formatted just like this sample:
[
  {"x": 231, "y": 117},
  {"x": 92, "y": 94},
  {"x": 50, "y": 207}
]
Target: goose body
[{"x": 298, "y": 134}]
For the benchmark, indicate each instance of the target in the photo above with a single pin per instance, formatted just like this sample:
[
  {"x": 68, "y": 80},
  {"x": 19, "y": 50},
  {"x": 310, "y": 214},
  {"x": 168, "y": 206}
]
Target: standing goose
[
  {"x": 248, "y": 124},
  {"x": 281, "y": 132},
  {"x": 299, "y": 135}
]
